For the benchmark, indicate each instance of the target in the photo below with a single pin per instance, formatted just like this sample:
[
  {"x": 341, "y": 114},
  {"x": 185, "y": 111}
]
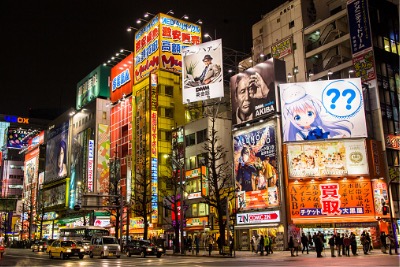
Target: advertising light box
[
  {"x": 122, "y": 79},
  {"x": 202, "y": 74},
  {"x": 323, "y": 110},
  {"x": 95, "y": 84},
  {"x": 327, "y": 159},
  {"x": 159, "y": 44},
  {"x": 254, "y": 91},
  {"x": 56, "y": 153},
  {"x": 255, "y": 168}
]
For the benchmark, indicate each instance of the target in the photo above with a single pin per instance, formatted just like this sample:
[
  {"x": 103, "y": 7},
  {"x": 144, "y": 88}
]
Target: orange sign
[{"x": 344, "y": 198}]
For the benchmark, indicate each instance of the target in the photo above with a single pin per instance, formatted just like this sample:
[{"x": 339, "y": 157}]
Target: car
[
  {"x": 65, "y": 249},
  {"x": 39, "y": 246},
  {"x": 85, "y": 245},
  {"x": 104, "y": 246},
  {"x": 143, "y": 248}
]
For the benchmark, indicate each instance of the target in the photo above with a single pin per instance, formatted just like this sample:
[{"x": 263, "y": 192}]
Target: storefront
[{"x": 266, "y": 223}]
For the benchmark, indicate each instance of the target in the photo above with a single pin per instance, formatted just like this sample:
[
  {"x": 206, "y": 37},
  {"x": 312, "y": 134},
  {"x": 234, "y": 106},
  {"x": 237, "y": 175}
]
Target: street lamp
[
  {"x": 170, "y": 12},
  {"x": 199, "y": 21},
  {"x": 139, "y": 20},
  {"x": 185, "y": 17},
  {"x": 180, "y": 167},
  {"x": 147, "y": 14},
  {"x": 129, "y": 29},
  {"x": 351, "y": 71},
  {"x": 329, "y": 73},
  {"x": 208, "y": 36},
  {"x": 289, "y": 76}
]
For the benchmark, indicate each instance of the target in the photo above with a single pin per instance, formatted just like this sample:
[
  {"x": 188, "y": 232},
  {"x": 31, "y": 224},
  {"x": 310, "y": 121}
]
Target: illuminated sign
[
  {"x": 121, "y": 79},
  {"x": 160, "y": 42},
  {"x": 258, "y": 217},
  {"x": 90, "y": 165},
  {"x": 15, "y": 119},
  {"x": 351, "y": 197},
  {"x": 153, "y": 146},
  {"x": 392, "y": 141},
  {"x": 328, "y": 158},
  {"x": 282, "y": 48},
  {"x": 334, "y": 108}
]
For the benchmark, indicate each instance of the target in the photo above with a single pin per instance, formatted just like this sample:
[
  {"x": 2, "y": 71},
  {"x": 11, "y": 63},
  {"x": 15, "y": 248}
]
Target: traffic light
[{"x": 385, "y": 210}]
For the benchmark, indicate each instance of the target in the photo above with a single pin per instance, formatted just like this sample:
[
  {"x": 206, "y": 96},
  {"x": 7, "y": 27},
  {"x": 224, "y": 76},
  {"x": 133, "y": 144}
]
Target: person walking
[
  {"x": 304, "y": 242},
  {"x": 319, "y": 245},
  {"x": 291, "y": 246},
  {"x": 261, "y": 245},
  {"x": 210, "y": 244},
  {"x": 383, "y": 242},
  {"x": 331, "y": 243},
  {"x": 339, "y": 244},
  {"x": 353, "y": 244},
  {"x": 310, "y": 240},
  {"x": 296, "y": 245},
  {"x": 253, "y": 244},
  {"x": 197, "y": 244},
  {"x": 266, "y": 245},
  {"x": 390, "y": 242},
  {"x": 346, "y": 246},
  {"x": 270, "y": 245}
]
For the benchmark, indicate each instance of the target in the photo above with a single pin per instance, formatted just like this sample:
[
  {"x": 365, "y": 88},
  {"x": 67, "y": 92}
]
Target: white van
[{"x": 104, "y": 246}]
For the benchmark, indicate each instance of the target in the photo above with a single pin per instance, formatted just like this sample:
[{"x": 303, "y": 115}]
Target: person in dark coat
[
  {"x": 319, "y": 245},
  {"x": 304, "y": 242},
  {"x": 291, "y": 246},
  {"x": 353, "y": 244}
]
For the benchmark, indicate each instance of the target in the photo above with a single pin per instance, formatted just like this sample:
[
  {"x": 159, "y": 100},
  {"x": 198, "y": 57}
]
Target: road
[{"x": 24, "y": 257}]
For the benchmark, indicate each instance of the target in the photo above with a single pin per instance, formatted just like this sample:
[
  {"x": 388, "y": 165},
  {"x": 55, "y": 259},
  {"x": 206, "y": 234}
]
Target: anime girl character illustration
[{"x": 305, "y": 118}]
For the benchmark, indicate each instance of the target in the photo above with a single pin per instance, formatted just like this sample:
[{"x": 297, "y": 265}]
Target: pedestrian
[
  {"x": 353, "y": 244},
  {"x": 197, "y": 244},
  {"x": 219, "y": 244},
  {"x": 231, "y": 244},
  {"x": 270, "y": 245},
  {"x": 296, "y": 245},
  {"x": 346, "y": 245},
  {"x": 266, "y": 245},
  {"x": 310, "y": 240},
  {"x": 252, "y": 243},
  {"x": 304, "y": 242},
  {"x": 189, "y": 243},
  {"x": 390, "y": 242},
  {"x": 257, "y": 244},
  {"x": 210, "y": 244},
  {"x": 383, "y": 242},
  {"x": 291, "y": 246},
  {"x": 261, "y": 245},
  {"x": 318, "y": 245},
  {"x": 339, "y": 244},
  {"x": 2, "y": 250},
  {"x": 331, "y": 243},
  {"x": 364, "y": 242}
]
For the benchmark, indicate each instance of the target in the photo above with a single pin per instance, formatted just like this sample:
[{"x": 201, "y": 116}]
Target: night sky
[{"x": 49, "y": 46}]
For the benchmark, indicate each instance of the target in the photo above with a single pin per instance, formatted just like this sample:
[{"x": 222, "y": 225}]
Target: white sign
[
  {"x": 258, "y": 217},
  {"x": 322, "y": 110},
  {"x": 90, "y": 165},
  {"x": 202, "y": 72}
]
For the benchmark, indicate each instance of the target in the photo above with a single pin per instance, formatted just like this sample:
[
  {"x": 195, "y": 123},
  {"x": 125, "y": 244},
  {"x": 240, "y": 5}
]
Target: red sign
[
  {"x": 392, "y": 141},
  {"x": 121, "y": 79}
]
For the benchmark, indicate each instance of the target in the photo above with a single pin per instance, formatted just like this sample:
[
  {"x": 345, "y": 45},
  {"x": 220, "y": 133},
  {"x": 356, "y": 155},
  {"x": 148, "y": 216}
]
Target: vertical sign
[
  {"x": 90, "y": 166},
  {"x": 153, "y": 146}
]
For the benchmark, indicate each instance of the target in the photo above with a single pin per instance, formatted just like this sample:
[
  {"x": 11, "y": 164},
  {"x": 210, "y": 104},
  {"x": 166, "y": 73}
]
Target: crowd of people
[{"x": 339, "y": 244}]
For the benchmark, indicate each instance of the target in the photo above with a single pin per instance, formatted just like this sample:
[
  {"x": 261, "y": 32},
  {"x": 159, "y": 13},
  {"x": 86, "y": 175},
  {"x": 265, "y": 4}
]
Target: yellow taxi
[{"x": 65, "y": 249}]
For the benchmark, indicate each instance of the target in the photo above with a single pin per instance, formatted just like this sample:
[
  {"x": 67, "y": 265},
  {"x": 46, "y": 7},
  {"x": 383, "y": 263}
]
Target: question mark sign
[
  {"x": 351, "y": 98},
  {"x": 337, "y": 94}
]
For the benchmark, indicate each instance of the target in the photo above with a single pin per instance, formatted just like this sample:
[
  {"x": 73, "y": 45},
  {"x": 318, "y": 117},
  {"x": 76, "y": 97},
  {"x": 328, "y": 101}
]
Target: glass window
[
  {"x": 195, "y": 209},
  {"x": 201, "y": 136},
  {"x": 169, "y": 90},
  {"x": 190, "y": 139},
  {"x": 291, "y": 24}
]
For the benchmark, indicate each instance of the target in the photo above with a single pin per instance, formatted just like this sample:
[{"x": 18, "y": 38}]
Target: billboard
[
  {"x": 31, "y": 168},
  {"x": 121, "y": 79},
  {"x": 344, "y": 198},
  {"x": 56, "y": 153},
  {"x": 282, "y": 48},
  {"x": 327, "y": 159},
  {"x": 159, "y": 44},
  {"x": 18, "y": 138},
  {"x": 196, "y": 183},
  {"x": 360, "y": 32},
  {"x": 202, "y": 76},
  {"x": 95, "y": 84},
  {"x": 55, "y": 196},
  {"x": 323, "y": 110},
  {"x": 380, "y": 195},
  {"x": 255, "y": 167},
  {"x": 254, "y": 91}
]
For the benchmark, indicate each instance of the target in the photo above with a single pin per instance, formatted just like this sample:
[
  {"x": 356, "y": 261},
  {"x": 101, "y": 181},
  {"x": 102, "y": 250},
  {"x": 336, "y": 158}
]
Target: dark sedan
[{"x": 143, "y": 248}]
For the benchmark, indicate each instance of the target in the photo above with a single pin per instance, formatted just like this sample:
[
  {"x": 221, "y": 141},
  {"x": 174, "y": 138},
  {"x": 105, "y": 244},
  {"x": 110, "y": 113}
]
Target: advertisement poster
[
  {"x": 56, "y": 153},
  {"x": 364, "y": 66},
  {"x": 54, "y": 196},
  {"x": 282, "y": 48},
  {"x": 202, "y": 72},
  {"x": 338, "y": 198},
  {"x": 18, "y": 138},
  {"x": 327, "y": 159},
  {"x": 253, "y": 91},
  {"x": 380, "y": 195},
  {"x": 323, "y": 110},
  {"x": 255, "y": 167}
]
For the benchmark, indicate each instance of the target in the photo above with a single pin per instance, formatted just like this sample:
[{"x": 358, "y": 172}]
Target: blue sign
[{"x": 360, "y": 32}]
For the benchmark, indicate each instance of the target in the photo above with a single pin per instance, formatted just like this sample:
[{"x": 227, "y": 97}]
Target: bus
[{"x": 82, "y": 233}]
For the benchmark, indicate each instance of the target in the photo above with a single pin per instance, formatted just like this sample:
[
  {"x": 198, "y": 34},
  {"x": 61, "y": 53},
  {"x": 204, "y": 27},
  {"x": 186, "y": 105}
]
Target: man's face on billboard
[{"x": 245, "y": 94}]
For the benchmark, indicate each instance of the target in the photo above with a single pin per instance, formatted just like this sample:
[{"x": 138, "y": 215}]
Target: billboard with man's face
[
  {"x": 253, "y": 91},
  {"x": 202, "y": 76},
  {"x": 323, "y": 110},
  {"x": 255, "y": 167}
]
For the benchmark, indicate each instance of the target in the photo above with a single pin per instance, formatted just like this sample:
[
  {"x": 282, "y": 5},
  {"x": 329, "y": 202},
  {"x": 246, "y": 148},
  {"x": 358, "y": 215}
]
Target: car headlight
[
  {"x": 148, "y": 249},
  {"x": 119, "y": 247},
  {"x": 160, "y": 249},
  {"x": 86, "y": 247},
  {"x": 68, "y": 250},
  {"x": 82, "y": 250},
  {"x": 105, "y": 247}
]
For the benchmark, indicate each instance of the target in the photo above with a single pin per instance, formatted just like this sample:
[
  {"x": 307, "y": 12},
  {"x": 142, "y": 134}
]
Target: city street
[{"x": 24, "y": 257}]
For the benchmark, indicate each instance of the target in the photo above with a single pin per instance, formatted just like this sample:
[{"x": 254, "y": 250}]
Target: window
[
  {"x": 291, "y": 24},
  {"x": 169, "y": 112},
  {"x": 278, "y": 20},
  {"x": 202, "y": 159},
  {"x": 201, "y": 136},
  {"x": 169, "y": 90},
  {"x": 190, "y": 139}
]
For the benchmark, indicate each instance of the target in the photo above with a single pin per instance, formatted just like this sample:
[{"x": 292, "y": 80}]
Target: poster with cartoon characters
[
  {"x": 256, "y": 174},
  {"x": 323, "y": 110}
]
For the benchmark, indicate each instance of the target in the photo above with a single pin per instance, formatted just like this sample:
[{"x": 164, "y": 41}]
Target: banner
[
  {"x": 323, "y": 110},
  {"x": 255, "y": 167},
  {"x": 327, "y": 159},
  {"x": 351, "y": 197},
  {"x": 202, "y": 76}
]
